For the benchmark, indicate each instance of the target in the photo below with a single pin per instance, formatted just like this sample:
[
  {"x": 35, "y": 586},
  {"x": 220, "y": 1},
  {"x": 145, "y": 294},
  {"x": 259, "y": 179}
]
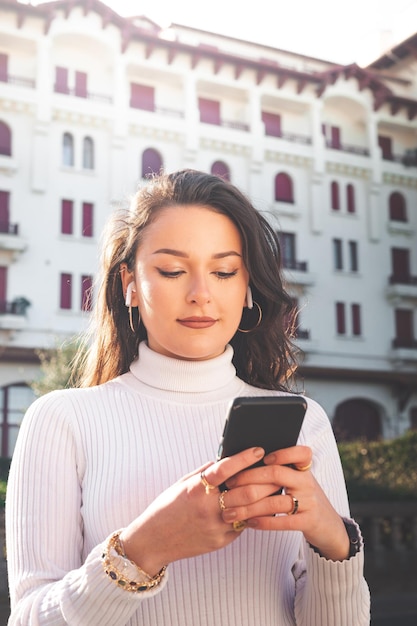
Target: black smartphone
[{"x": 271, "y": 422}]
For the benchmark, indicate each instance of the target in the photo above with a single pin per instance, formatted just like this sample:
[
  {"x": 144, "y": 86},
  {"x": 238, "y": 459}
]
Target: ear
[{"x": 128, "y": 286}]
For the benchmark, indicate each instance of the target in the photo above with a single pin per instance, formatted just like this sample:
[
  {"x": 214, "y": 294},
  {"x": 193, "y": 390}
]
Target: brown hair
[{"x": 264, "y": 357}]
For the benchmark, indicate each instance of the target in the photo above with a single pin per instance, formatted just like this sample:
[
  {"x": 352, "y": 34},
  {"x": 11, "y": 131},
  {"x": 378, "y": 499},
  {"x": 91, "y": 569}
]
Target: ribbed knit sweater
[{"x": 89, "y": 461}]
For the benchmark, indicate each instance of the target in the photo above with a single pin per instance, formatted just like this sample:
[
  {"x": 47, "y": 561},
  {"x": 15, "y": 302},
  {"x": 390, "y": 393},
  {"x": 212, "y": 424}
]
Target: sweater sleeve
[
  {"x": 329, "y": 592},
  {"x": 49, "y": 581}
]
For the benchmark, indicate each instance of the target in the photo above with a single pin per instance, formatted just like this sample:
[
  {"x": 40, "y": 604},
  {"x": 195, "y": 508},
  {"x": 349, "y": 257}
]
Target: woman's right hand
[{"x": 185, "y": 521}]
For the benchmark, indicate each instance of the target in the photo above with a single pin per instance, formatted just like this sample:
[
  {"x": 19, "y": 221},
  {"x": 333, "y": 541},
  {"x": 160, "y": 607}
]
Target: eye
[
  {"x": 173, "y": 274},
  {"x": 225, "y": 275}
]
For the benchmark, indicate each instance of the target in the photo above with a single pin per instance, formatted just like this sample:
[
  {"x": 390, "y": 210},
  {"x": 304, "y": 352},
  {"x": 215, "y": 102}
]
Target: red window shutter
[
  {"x": 272, "y": 123},
  {"x": 3, "y": 288},
  {"x": 335, "y": 135},
  {"x": 340, "y": 318},
  {"x": 151, "y": 162},
  {"x": 397, "y": 209},
  {"x": 209, "y": 111},
  {"x": 66, "y": 291},
  {"x": 61, "y": 80},
  {"x": 219, "y": 168},
  {"x": 88, "y": 216},
  {"x": 86, "y": 293},
  {"x": 400, "y": 260},
  {"x": 4, "y": 211},
  {"x": 350, "y": 196},
  {"x": 5, "y": 140},
  {"x": 142, "y": 97},
  {"x": 283, "y": 188},
  {"x": 4, "y": 72},
  {"x": 81, "y": 84},
  {"x": 404, "y": 333},
  {"x": 356, "y": 320},
  {"x": 385, "y": 143},
  {"x": 67, "y": 209},
  {"x": 335, "y": 196}
]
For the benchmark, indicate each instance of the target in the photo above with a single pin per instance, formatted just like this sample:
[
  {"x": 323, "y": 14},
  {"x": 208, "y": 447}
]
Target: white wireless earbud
[
  {"x": 129, "y": 291},
  {"x": 249, "y": 299}
]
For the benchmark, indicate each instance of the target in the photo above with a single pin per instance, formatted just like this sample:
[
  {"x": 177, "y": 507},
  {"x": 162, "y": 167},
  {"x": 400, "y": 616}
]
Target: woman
[{"x": 98, "y": 515}]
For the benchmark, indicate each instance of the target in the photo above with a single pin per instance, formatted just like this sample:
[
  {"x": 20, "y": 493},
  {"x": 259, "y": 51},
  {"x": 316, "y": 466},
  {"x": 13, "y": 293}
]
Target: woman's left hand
[{"x": 303, "y": 506}]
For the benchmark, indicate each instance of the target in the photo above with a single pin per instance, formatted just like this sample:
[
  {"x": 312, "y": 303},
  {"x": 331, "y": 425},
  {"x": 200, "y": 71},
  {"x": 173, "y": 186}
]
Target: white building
[{"x": 91, "y": 101}]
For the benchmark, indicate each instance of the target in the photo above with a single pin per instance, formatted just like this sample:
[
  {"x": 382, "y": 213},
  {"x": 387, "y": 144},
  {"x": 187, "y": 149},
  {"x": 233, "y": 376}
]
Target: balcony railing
[
  {"x": 409, "y": 158},
  {"x": 403, "y": 279},
  {"x": 404, "y": 342},
  {"x": 87, "y": 95},
  {"x": 16, "y": 307},
  {"x": 302, "y": 333},
  {"x": 387, "y": 526},
  {"x": 20, "y": 81},
  {"x": 227, "y": 124},
  {"x": 293, "y": 137},
  {"x": 292, "y": 264},
  {"x": 9, "y": 229},
  {"x": 344, "y": 147}
]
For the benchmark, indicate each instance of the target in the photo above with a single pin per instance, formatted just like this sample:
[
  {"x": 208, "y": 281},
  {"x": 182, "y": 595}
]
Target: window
[
  {"x": 86, "y": 293},
  {"x": 68, "y": 150},
  {"x": 288, "y": 250},
  {"x": 151, "y": 162},
  {"x": 88, "y": 153},
  {"x": 66, "y": 291},
  {"x": 337, "y": 254},
  {"x": 5, "y": 139},
  {"x": 397, "y": 208},
  {"x": 340, "y": 318},
  {"x": 3, "y": 289},
  {"x": 385, "y": 143},
  {"x": 334, "y": 190},
  {"x": 283, "y": 188},
  {"x": 209, "y": 111},
  {"x": 88, "y": 216},
  {"x": 4, "y": 72},
  {"x": 404, "y": 331},
  {"x": 142, "y": 97},
  {"x": 67, "y": 211},
  {"x": 61, "y": 80},
  {"x": 272, "y": 122},
  {"x": 350, "y": 197},
  {"x": 335, "y": 137},
  {"x": 356, "y": 320},
  {"x": 4, "y": 212},
  {"x": 400, "y": 263},
  {"x": 219, "y": 168},
  {"x": 353, "y": 256},
  {"x": 14, "y": 401},
  {"x": 81, "y": 84}
]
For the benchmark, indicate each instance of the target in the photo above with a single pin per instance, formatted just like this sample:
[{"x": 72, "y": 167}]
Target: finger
[
  {"x": 267, "y": 507},
  {"x": 219, "y": 472},
  {"x": 298, "y": 456}
]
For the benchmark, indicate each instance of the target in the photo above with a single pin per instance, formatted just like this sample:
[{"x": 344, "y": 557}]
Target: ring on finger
[
  {"x": 221, "y": 500},
  {"x": 239, "y": 526},
  {"x": 294, "y": 506},
  {"x": 206, "y": 484},
  {"x": 304, "y": 468}
]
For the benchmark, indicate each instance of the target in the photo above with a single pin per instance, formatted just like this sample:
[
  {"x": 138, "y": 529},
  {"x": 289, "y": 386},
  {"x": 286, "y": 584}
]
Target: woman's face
[{"x": 190, "y": 282}]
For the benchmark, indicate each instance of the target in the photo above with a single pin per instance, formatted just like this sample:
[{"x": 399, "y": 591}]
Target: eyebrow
[{"x": 183, "y": 255}]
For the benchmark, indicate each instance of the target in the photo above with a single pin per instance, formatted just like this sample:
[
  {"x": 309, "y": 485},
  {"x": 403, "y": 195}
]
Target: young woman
[{"x": 113, "y": 488}]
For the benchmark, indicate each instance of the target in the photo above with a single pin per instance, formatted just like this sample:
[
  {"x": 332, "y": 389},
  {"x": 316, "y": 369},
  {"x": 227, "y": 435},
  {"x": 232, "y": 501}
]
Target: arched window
[
  {"x": 5, "y": 139},
  {"x": 68, "y": 150},
  {"x": 151, "y": 162},
  {"x": 283, "y": 188},
  {"x": 334, "y": 188},
  {"x": 357, "y": 419},
  {"x": 88, "y": 153},
  {"x": 397, "y": 207},
  {"x": 219, "y": 168},
  {"x": 350, "y": 198}
]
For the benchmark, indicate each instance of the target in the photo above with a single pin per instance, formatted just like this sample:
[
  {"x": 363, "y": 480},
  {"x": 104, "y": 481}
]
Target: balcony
[
  {"x": 19, "y": 81},
  {"x": 12, "y": 314},
  {"x": 344, "y": 147},
  {"x": 408, "y": 159},
  {"x": 87, "y": 95},
  {"x": 402, "y": 287},
  {"x": 10, "y": 241},
  {"x": 293, "y": 137},
  {"x": 296, "y": 272},
  {"x": 404, "y": 349},
  {"x": 160, "y": 110}
]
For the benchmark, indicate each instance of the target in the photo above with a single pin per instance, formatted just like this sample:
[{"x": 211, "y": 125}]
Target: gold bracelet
[{"x": 117, "y": 577}]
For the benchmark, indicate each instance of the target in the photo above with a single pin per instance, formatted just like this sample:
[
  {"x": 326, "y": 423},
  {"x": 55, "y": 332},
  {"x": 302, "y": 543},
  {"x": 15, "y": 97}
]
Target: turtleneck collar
[{"x": 169, "y": 374}]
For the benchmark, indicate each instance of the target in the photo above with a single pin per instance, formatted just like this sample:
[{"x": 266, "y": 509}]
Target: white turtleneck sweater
[{"x": 89, "y": 461}]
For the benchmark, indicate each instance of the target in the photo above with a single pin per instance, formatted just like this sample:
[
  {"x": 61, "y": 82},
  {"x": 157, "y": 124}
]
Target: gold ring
[
  {"x": 304, "y": 468},
  {"x": 239, "y": 526},
  {"x": 295, "y": 506},
  {"x": 206, "y": 484},
  {"x": 221, "y": 500}
]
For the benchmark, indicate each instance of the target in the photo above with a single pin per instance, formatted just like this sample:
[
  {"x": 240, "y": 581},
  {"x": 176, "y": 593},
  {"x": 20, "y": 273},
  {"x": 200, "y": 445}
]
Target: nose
[{"x": 199, "y": 292}]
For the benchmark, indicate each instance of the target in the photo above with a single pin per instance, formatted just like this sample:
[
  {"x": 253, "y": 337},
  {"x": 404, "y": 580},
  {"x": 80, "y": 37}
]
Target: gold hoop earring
[
  {"x": 132, "y": 328},
  {"x": 249, "y": 330}
]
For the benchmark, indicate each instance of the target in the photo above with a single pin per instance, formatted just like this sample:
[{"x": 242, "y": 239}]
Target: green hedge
[
  {"x": 381, "y": 470},
  {"x": 377, "y": 470}
]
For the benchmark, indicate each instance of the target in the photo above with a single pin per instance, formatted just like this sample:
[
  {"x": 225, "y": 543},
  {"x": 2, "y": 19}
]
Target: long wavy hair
[{"x": 264, "y": 357}]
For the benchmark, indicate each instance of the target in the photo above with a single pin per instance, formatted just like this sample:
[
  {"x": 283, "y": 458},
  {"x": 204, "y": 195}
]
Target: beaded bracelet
[{"x": 109, "y": 565}]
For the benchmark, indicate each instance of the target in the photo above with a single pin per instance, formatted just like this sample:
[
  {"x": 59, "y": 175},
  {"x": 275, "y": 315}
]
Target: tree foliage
[{"x": 57, "y": 370}]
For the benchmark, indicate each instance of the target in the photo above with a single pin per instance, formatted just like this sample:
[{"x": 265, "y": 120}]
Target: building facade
[{"x": 90, "y": 103}]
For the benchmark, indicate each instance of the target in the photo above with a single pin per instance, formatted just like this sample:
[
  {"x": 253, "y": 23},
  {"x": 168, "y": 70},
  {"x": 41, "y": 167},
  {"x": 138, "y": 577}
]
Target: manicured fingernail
[
  {"x": 252, "y": 523},
  {"x": 229, "y": 515},
  {"x": 270, "y": 458},
  {"x": 259, "y": 452}
]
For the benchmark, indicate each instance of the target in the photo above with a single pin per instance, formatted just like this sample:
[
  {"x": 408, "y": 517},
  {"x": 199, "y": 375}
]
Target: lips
[{"x": 197, "y": 322}]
